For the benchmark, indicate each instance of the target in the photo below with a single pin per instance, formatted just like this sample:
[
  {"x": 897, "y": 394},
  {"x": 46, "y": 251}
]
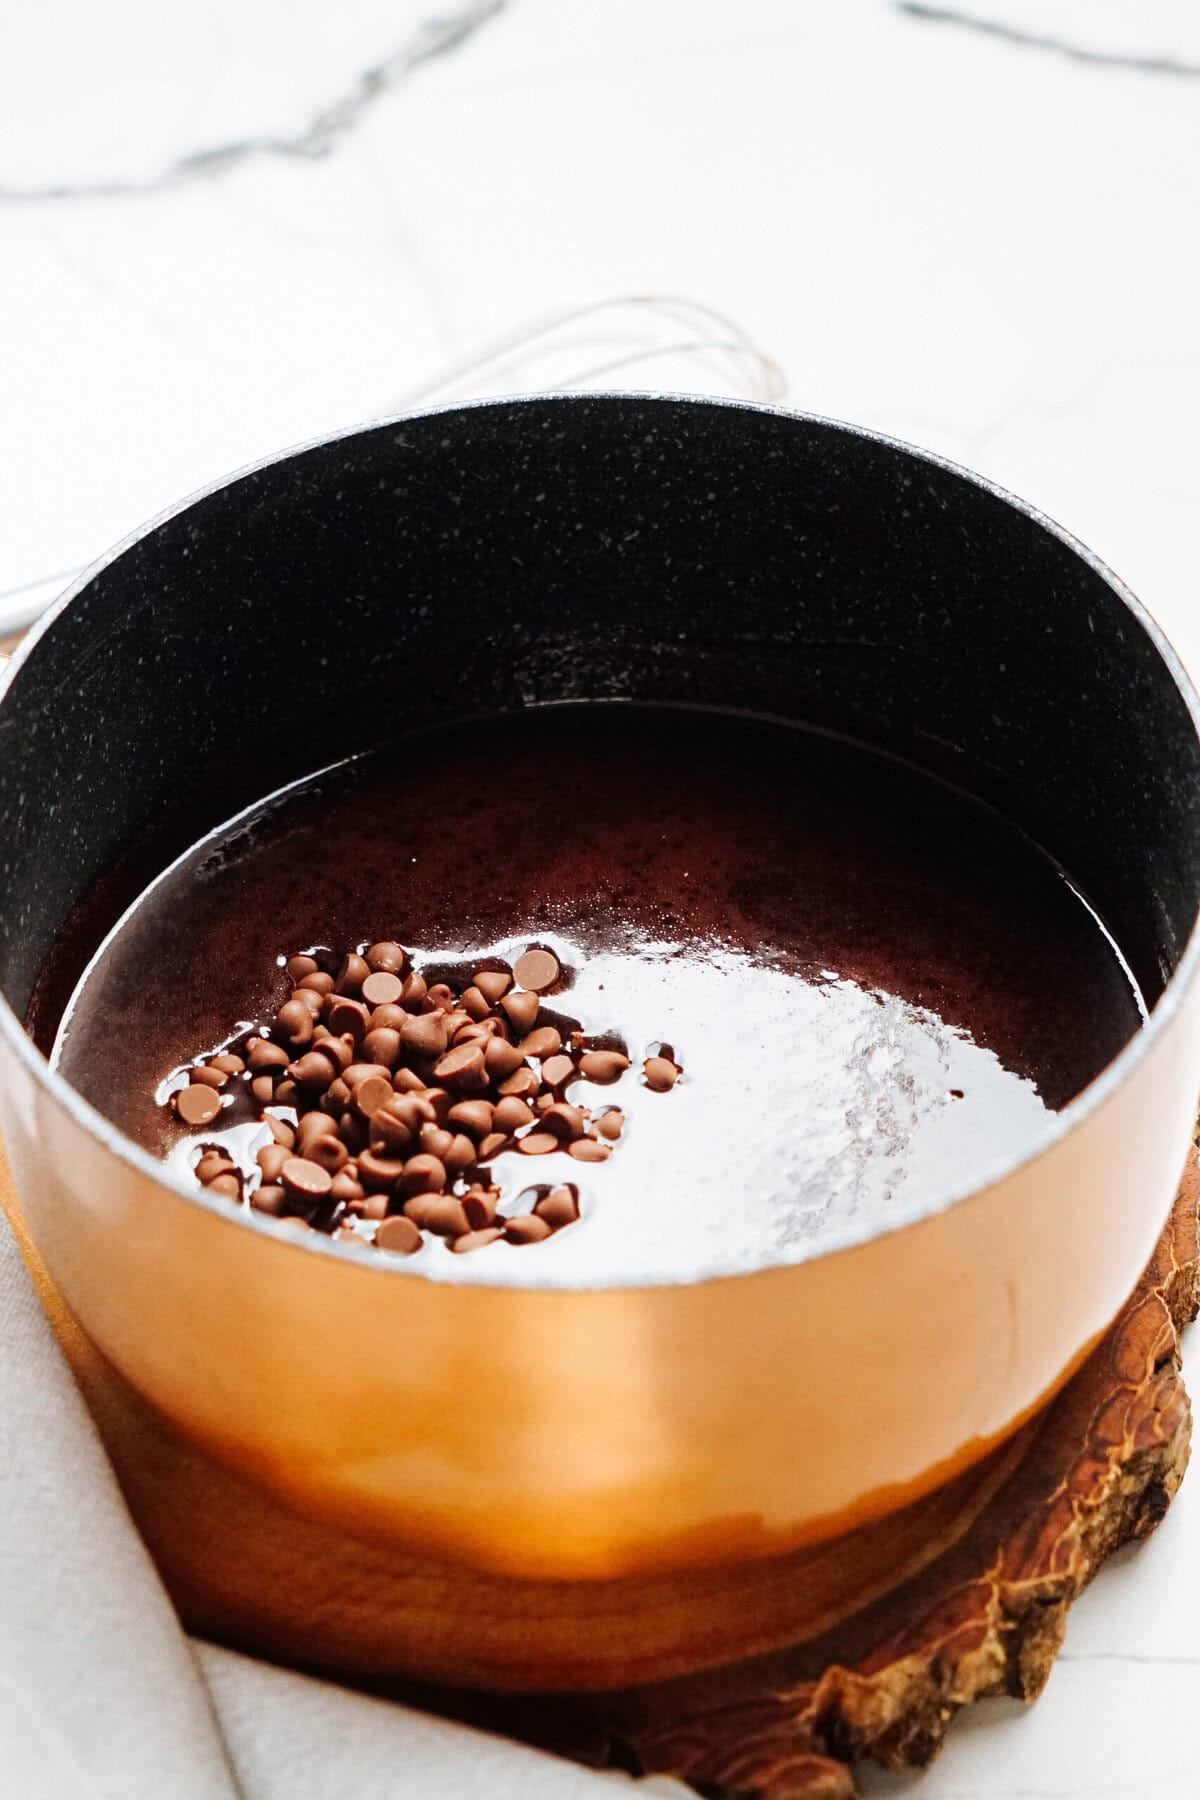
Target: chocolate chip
[
  {"x": 295, "y": 1024},
  {"x": 304, "y": 1180},
  {"x": 407, "y": 1081},
  {"x": 511, "y": 1114},
  {"x": 228, "y": 1063},
  {"x": 346, "y": 1188},
  {"x": 388, "y": 1018},
  {"x": 280, "y": 1130},
  {"x": 398, "y": 1123},
  {"x": 313, "y": 1071},
  {"x": 566, "y": 1122},
  {"x": 329, "y": 1153},
  {"x": 382, "y": 989},
  {"x": 414, "y": 992},
  {"x": 212, "y": 1164},
  {"x": 558, "y": 1208},
  {"x": 319, "y": 983},
  {"x": 501, "y": 1059},
  {"x": 355, "y": 1132},
  {"x": 436, "y": 1141},
  {"x": 461, "y": 1067},
  {"x": 378, "y": 1173},
  {"x": 440, "y": 1213},
  {"x": 208, "y": 1077},
  {"x": 460, "y": 1156},
  {"x": 358, "y": 1072},
  {"x": 471, "y": 1031},
  {"x": 474, "y": 1003},
  {"x": 476, "y": 1240},
  {"x": 300, "y": 966},
  {"x": 339, "y": 1050},
  {"x": 382, "y": 1045},
  {"x": 398, "y": 1235},
  {"x": 371, "y": 1094},
  {"x": 265, "y": 1057},
  {"x": 197, "y": 1104},
  {"x": 493, "y": 984},
  {"x": 603, "y": 1066},
  {"x": 537, "y": 970},
  {"x": 588, "y": 1150},
  {"x": 557, "y": 1070},
  {"x": 521, "y": 1010},
  {"x": 270, "y": 1160},
  {"x": 336, "y": 1098},
  {"x": 545, "y": 1041},
  {"x": 423, "y": 1174},
  {"x": 352, "y": 974},
  {"x": 349, "y": 1017},
  {"x": 387, "y": 958},
  {"x": 611, "y": 1123},
  {"x": 522, "y": 1084},
  {"x": 492, "y": 1145},
  {"x": 437, "y": 1101},
  {"x": 312, "y": 1128},
  {"x": 479, "y": 1204},
  {"x": 474, "y": 1116},
  {"x": 659, "y": 1074},
  {"x": 527, "y": 1228},
  {"x": 538, "y": 1143},
  {"x": 425, "y": 1036},
  {"x": 270, "y": 1199}
]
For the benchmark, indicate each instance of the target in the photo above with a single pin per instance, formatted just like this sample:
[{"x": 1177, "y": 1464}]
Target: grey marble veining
[
  {"x": 1080, "y": 51},
  {"x": 328, "y": 125}
]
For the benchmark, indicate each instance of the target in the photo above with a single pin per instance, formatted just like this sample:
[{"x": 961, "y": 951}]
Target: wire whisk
[{"x": 646, "y": 341}]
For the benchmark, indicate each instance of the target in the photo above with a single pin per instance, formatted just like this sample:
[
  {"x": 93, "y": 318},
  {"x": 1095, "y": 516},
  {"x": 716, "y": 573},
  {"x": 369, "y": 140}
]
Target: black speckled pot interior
[{"x": 486, "y": 558}]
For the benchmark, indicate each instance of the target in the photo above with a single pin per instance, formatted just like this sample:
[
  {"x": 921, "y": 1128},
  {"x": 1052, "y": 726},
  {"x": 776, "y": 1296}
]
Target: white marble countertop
[{"x": 973, "y": 227}]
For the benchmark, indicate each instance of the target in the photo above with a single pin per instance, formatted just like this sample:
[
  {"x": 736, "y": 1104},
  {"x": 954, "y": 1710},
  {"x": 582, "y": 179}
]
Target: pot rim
[{"x": 854, "y": 1234}]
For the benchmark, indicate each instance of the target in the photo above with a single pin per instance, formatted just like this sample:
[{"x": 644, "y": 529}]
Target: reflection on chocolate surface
[{"x": 877, "y": 988}]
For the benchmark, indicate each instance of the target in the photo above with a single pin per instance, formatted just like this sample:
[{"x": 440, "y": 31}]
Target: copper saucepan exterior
[{"x": 513, "y": 553}]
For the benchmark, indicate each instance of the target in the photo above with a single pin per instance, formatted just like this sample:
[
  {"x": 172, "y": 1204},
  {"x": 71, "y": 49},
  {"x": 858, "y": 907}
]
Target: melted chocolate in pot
[{"x": 878, "y": 990}]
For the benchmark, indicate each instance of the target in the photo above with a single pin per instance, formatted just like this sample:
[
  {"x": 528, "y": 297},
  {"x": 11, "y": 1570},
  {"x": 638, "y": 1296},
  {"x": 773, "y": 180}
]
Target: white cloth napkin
[{"x": 104, "y": 1697}]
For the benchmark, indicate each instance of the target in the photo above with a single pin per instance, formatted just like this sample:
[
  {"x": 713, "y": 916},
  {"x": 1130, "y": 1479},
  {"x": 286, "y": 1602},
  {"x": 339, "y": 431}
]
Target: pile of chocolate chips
[{"x": 402, "y": 1092}]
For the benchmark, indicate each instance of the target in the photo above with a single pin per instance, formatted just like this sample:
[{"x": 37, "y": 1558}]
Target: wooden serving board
[
  {"x": 986, "y": 1618},
  {"x": 796, "y": 1668}
]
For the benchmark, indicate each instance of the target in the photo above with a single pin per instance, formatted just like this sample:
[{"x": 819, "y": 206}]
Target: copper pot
[{"x": 663, "y": 549}]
